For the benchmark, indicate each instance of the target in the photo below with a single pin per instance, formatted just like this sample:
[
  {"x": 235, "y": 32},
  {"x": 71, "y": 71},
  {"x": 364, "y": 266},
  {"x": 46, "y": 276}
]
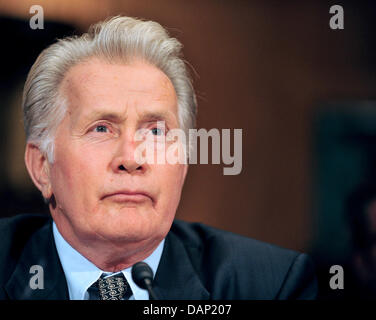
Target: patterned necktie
[{"x": 111, "y": 288}]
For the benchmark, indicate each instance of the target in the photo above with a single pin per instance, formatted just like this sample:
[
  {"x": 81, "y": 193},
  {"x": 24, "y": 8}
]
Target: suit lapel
[
  {"x": 41, "y": 251},
  {"x": 176, "y": 278}
]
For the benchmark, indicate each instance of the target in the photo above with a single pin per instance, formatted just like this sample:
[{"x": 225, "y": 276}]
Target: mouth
[{"x": 128, "y": 196}]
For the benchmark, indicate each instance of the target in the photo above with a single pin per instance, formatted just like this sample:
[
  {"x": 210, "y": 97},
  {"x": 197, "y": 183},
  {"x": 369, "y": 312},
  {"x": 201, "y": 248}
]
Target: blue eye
[
  {"x": 157, "y": 131},
  {"x": 100, "y": 128}
]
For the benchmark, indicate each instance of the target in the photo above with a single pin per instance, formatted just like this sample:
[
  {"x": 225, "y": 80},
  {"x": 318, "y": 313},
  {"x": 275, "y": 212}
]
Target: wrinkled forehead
[{"x": 95, "y": 82}]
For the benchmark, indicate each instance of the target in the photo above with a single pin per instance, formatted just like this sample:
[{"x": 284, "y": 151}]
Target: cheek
[
  {"x": 79, "y": 172},
  {"x": 171, "y": 180}
]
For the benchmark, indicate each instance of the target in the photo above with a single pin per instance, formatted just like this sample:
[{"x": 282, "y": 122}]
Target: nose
[{"x": 124, "y": 160}]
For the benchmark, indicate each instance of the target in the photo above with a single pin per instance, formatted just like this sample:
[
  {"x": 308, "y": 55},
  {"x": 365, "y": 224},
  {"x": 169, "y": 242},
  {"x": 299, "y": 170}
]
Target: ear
[{"x": 39, "y": 170}]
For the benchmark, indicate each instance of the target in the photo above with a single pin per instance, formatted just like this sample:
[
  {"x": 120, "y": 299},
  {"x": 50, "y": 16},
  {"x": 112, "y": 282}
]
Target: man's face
[{"x": 101, "y": 192}]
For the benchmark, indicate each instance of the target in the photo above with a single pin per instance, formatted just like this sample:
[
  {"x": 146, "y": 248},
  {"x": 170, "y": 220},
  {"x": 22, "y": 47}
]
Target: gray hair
[{"x": 119, "y": 39}]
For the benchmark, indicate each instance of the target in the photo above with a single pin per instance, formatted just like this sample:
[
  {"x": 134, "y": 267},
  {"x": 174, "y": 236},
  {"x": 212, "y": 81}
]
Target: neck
[{"x": 110, "y": 256}]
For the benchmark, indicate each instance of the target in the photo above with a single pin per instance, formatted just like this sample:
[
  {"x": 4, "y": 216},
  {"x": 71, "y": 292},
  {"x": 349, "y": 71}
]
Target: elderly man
[{"x": 85, "y": 100}]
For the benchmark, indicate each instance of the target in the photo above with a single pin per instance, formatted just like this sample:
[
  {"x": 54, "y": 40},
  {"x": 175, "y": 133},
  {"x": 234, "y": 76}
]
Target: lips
[{"x": 128, "y": 196}]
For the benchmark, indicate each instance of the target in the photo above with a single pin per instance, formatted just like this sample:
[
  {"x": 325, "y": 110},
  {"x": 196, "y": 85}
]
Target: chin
[{"x": 129, "y": 224}]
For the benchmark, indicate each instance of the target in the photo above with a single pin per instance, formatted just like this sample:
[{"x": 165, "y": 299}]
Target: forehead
[{"x": 97, "y": 84}]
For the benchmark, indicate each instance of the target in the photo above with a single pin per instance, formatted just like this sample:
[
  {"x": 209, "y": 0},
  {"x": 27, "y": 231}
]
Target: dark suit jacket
[{"x": 198, "y": 262}]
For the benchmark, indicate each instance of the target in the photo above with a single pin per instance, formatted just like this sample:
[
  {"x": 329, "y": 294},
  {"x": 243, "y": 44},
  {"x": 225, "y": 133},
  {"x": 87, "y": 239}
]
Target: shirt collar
[{"x": 81, "y": 273}]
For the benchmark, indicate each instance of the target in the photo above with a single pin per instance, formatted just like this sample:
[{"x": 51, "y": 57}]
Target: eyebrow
[
  {"x": 120, "y": 117},
  {"x": 155, "y": 116},
  {"x": 112, "y": 116}
]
